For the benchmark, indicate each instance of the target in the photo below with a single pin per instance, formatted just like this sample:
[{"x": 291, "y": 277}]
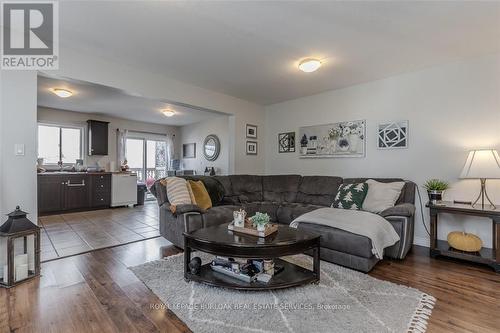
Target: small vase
[
  {"x": 435, "y": 196},
  {"x": 343, "y": 144},
  {"x": 333, "y": 146},
  {"x": 303, "y": 150},
  {"x": 261, "y": 227},
  {"x": 353, "y": 142}
]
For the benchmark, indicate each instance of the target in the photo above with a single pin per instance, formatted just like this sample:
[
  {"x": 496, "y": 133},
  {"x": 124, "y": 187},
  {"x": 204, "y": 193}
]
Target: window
[{"x": 59, "y": 143}]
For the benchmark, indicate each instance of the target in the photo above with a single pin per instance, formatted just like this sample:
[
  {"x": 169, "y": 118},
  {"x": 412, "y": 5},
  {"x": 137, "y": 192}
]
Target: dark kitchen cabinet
[
  {"x": 97, "y": 137},
  {"x": 101, "y": 191},
  {"x": 73, "y": 192},
  {"x": 76, "y": 192},
  {"x": 50, "y": 194}
]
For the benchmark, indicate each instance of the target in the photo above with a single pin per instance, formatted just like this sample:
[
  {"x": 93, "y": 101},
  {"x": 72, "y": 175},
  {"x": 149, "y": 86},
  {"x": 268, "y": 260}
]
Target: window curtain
[
  {"x": 170, "y": 150},
  {"x": 121, "y": 136}
]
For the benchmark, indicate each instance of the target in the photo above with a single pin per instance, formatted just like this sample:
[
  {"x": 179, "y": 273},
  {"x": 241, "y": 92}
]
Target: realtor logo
[{"x": 30, "y": 35}]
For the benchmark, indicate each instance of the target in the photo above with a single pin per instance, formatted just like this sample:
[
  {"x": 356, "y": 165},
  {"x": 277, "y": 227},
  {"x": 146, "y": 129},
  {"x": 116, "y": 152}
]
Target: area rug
[{"x": 344, "y": 301}]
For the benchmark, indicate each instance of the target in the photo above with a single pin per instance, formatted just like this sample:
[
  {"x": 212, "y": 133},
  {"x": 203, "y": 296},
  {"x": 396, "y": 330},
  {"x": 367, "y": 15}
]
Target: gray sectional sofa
[{"x": 284, "y": 198}]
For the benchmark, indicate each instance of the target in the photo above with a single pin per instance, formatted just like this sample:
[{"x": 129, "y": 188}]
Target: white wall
[
  {"x": 56, "y": 116},
  {"x": 450, "y": 108},
  {"x": 80, "y": 66},
  {"x": 197, "y": 133},
  {"x": 18, "y": 126}
]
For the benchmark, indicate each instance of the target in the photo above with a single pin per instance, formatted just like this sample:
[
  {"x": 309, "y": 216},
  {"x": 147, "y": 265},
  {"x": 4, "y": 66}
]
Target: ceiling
[
  {"x": 98, "y": 99},
  {"x": 250, "y": 49}
]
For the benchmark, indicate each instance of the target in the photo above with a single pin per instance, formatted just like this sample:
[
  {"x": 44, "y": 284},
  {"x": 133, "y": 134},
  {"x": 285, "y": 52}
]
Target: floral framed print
[
  {"x": 286, "y": 142},
  {"x": 344, "y": 139},
  {"x": 251, "y": 131},
  {"x": 251, "y": 148},
  {"x": 393, "y": 135}
]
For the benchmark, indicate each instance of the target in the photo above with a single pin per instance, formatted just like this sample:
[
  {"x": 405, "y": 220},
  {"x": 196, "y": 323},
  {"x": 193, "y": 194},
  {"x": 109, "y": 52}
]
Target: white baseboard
[{"x": 422, "y": 241}]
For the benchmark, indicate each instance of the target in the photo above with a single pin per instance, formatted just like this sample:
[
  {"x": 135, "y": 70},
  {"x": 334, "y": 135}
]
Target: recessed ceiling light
[
  {"x": 309, "y": 65},
  {"x": 63, "y": 93},
  {"x": 168, "y": 112}
]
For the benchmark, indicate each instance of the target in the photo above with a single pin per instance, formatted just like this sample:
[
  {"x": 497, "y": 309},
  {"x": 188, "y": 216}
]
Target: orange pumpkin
[{"x": 463, "y": 241}]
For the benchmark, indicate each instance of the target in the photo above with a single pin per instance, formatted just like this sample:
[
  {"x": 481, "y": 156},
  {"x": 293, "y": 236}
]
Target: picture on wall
[
  {"x": 286, "y": 142},
  {"x": 251, "y": 148},
  {"x": 344, "y": 139},
  {"x": 251, "y": 131},
  {"x": 189, "y": 150},
  {"x": 393, "y": 135}
]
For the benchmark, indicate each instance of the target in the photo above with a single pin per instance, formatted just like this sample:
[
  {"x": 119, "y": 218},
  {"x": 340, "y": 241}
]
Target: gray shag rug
[{"x": 343, "y": 301}]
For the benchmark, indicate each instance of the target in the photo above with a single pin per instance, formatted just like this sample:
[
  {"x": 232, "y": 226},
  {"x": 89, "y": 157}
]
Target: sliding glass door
[{"x": 148, "y": 158}]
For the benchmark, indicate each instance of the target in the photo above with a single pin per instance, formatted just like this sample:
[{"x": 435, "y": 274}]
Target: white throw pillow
[
  {"x": 381, "y": 196},
  {"x": 177, "y": 191}
]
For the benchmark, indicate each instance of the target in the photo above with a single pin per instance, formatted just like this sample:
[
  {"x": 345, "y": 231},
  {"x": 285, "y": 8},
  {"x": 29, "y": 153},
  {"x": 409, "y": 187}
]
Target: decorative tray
[{"x": 249, "y": 229}]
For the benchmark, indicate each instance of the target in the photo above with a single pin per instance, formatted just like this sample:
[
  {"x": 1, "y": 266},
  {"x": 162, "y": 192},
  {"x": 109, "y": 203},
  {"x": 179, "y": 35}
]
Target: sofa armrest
[
  {"x": 182, "y": 209},
  {"x": 404, "y": 209}
]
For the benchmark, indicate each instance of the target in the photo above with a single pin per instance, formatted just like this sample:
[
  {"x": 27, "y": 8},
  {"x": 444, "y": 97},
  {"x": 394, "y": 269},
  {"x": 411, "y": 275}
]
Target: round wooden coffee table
[{"x": 218, "y": 240}]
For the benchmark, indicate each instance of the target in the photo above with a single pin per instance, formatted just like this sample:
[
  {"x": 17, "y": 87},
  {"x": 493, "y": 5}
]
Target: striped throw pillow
[{"x": 177, "y": 191}]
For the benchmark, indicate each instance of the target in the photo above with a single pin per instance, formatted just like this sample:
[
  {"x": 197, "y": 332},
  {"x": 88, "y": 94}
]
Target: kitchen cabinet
[
  {"x": 97, "y": 137},
  {"x": 76, "y": 192},
  {"x": 50, "y": 197},
  {"x": 61, "y": 192}
]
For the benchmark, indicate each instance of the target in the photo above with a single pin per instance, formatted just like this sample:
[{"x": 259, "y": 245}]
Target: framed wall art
[
  {"x": 344, "y": 139},
  {"x": 286, "y": 142},
  {"x": 251, "y": 148},
  {"x": 393, "y": 135},
  {"x": 251, "y": 131},
  {"x": 189, "y": 150}
]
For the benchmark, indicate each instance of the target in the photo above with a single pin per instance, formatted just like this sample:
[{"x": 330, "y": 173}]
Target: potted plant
[
  {"x": 260, "y": 220},
  {"x": 435, "y": 189},
  {"x": 303, "y": 145}
]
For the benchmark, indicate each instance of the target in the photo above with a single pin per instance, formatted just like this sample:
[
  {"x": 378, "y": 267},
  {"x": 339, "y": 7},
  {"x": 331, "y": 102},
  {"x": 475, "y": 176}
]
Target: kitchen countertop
[{"x": 58, "y": 173}]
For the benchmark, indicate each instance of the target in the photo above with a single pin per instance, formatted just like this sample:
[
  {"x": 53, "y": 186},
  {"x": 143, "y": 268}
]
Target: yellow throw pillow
[{"x": 201, "y": 197}]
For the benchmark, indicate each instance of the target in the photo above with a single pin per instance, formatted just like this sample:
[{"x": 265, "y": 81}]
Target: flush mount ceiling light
[
  {"x": 168, "y": 112},
  {"x": 309, "y": 65},
  {"x": 63, "y": 93}
]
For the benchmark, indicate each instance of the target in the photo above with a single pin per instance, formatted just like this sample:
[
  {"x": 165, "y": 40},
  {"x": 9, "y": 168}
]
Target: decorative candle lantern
[{"x": 20, "y": 242}]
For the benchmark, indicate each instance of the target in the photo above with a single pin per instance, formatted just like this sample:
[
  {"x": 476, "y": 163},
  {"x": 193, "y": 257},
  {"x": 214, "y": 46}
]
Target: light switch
[{"x": 19, "y": 149}]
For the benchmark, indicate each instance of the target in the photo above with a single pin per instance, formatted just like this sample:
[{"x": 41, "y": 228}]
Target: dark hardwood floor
[{"x": 95, "y": 292}]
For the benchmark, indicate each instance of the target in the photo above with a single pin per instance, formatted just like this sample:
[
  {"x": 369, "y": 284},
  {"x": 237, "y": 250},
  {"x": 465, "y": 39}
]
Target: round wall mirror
[{"x": 211, "y": 147}]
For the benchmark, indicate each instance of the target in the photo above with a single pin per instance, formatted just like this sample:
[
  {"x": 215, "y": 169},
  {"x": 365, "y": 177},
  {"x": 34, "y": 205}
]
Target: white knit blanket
[{"x": 373, "y": 226}]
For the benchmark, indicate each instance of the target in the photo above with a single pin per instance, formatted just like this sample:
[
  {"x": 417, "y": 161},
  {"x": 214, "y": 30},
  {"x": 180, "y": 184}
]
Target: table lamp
[{"x": 482, "y": 164}]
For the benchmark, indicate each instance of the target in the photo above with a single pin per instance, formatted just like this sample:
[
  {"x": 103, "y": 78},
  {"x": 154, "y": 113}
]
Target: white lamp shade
[{"x": 483, "y": 163}]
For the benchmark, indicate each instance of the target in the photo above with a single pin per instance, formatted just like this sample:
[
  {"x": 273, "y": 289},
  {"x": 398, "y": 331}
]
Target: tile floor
[{"x": 69, "y": 234}]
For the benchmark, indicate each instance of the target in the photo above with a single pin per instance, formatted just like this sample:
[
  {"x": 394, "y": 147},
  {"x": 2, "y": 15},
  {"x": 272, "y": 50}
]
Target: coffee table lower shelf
[{"x": 291, "y": 276}]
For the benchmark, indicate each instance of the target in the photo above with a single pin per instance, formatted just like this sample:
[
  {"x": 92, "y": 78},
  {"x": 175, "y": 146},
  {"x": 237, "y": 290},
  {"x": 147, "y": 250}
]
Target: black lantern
[{"x": 20, "y": 240}]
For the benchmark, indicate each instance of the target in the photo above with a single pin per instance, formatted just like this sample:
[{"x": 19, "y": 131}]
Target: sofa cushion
[
  {"x": 350, "y": 196},
  {"x": 280, "y": 188},
  {"x": 219, "y": 215},
  {"x": 287, "y": 212},
  {"x": 214, "y": 187},
  {"x": 270, "y": 208},
  {"x": 381, "y": 196},
  {"x": 248, "y": 188},
  {"x": 318, "y": 190},
  {"x": 230, "y": 198},
  {"x": 177, "y": 191},
  {"x": 340, "y": 240},
  {"x": 200, "y": 194},
  {"x": 407, "y": 192}
]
